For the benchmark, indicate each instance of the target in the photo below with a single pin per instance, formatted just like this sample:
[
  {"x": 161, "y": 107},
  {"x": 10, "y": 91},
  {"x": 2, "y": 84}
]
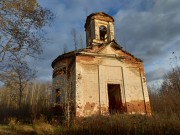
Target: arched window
[{"x": 102, "y": 32}]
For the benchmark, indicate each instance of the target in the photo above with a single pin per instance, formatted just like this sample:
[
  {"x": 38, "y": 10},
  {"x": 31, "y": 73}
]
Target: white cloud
[{"x": 151, "y": 35}]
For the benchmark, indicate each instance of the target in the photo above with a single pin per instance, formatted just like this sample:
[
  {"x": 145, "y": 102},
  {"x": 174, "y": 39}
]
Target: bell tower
[{"x": 99, "y": 29}]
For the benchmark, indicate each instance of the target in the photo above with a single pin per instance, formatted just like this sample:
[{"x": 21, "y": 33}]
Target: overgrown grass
[{"x": 102, "y": 125}]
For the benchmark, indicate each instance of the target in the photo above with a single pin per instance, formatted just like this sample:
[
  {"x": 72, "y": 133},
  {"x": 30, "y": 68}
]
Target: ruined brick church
[{"x": 101, "y": 78}]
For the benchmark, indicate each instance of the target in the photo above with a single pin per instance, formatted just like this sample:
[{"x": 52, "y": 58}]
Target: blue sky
[{"x": 149, "y": 29}]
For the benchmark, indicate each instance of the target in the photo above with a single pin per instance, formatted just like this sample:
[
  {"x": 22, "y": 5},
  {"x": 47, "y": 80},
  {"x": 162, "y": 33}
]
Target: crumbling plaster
[{"x": 95, "y": 72}]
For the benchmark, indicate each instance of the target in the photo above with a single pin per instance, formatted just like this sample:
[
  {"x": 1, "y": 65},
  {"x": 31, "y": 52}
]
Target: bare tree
[
  {"x": 21, "y": 22},
  {"x": 167, "y": 99},
  {"x": 77, "y": 39},
  {"x": 121, "y": 40},
  {"x": 36, "y": 100},
  {"x": 172, "y": 78},
  {"x": 21, "y": 36},
  {"x": 74, "y": 38},
  {"x": 16, "y": 78},
  {"x": 80, "y": 41},
  {"x": 65, "y": 48}
]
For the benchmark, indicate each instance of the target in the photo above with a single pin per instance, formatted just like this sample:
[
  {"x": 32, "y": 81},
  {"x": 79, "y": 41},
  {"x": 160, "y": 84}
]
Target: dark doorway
[{"x": 114, "y": 95}]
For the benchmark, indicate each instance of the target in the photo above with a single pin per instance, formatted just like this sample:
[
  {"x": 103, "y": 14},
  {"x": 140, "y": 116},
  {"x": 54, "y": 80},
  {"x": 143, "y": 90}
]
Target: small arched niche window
[
  {"x": 58, "y": 96},
  {"x": 102, "y": 32}
]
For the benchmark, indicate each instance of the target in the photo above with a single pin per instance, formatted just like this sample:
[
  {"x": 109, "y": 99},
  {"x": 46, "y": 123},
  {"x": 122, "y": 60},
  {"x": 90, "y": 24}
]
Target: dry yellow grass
[{"x": 102, "y": 125}]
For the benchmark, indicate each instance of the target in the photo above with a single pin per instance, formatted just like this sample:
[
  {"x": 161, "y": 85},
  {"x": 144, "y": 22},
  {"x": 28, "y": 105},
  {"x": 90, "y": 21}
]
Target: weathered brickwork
[
  {"x": 102, "y": 78},
  {"x": 96, "y": 72}
]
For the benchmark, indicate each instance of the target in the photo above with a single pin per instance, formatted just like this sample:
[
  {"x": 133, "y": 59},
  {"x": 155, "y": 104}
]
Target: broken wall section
[{"x": 64, "y": 83}]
